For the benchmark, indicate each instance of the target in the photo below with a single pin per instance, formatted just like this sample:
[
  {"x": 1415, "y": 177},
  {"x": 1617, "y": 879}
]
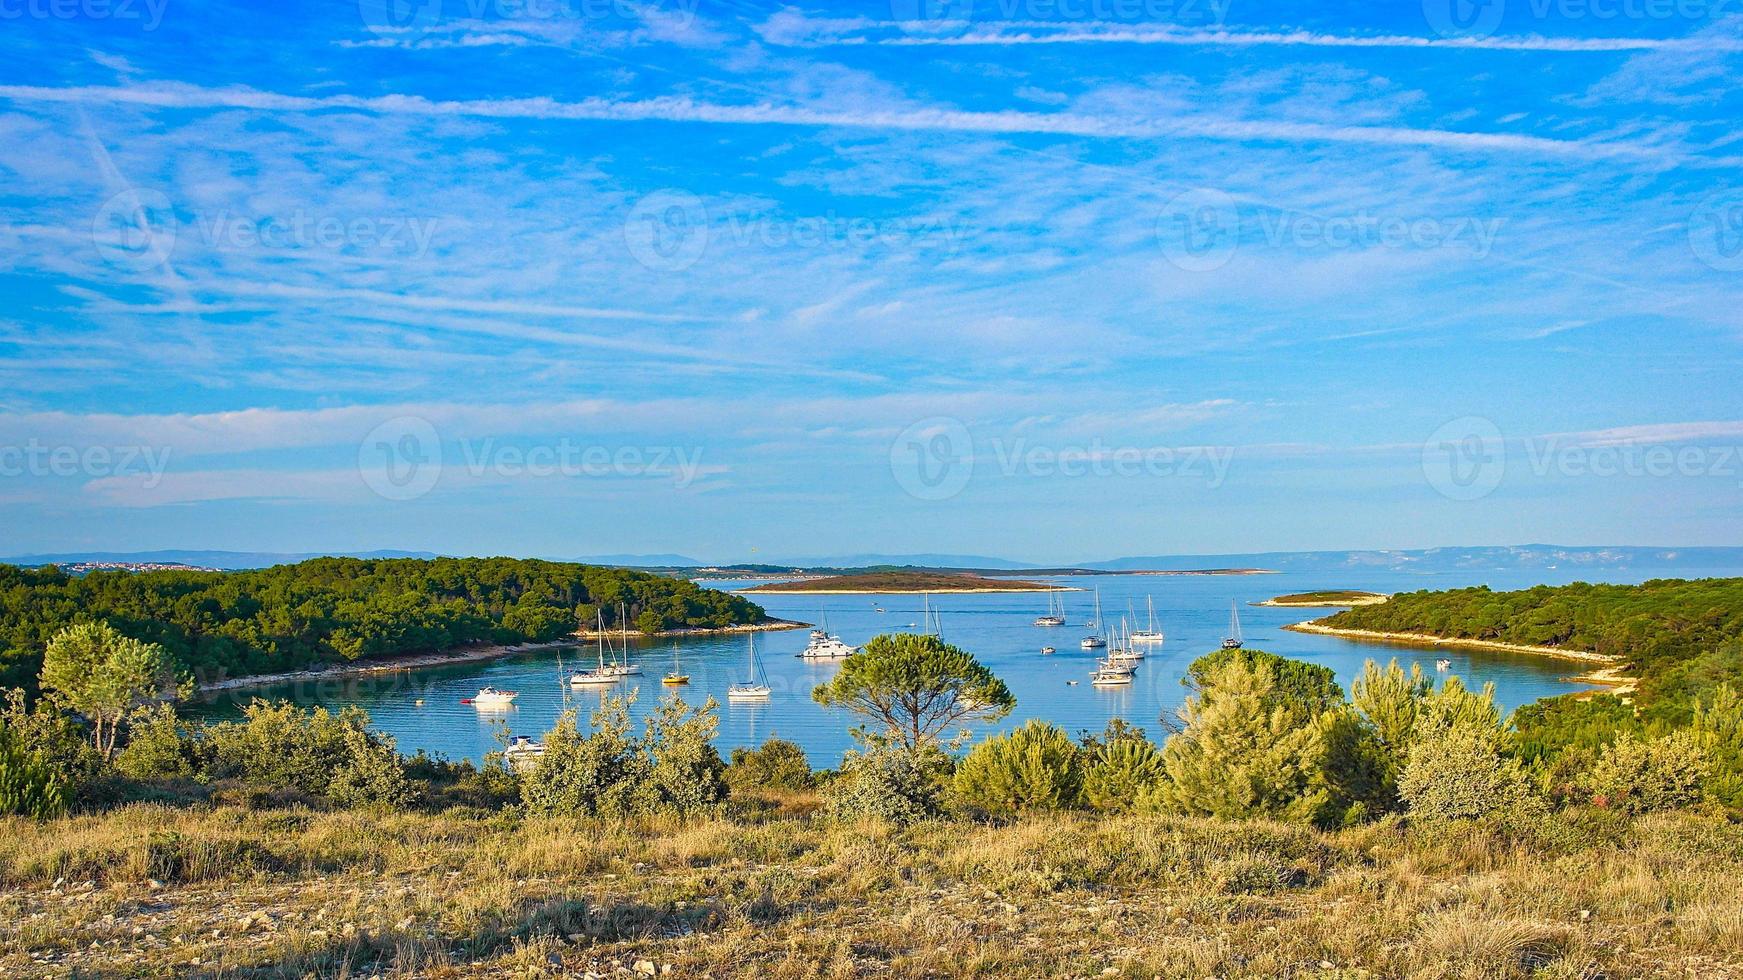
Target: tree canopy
[
  {"x": 916, "y": 687},
  {"x": 337, "y": 609}
]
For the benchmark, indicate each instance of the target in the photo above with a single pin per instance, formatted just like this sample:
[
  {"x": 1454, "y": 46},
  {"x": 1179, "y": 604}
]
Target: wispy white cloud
[{"x": 175, "y": 95}]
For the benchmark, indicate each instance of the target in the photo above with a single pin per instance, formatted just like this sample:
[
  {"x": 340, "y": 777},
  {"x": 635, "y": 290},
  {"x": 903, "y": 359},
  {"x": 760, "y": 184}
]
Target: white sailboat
[
  {"x": 1233, "y": 641},
  {"x": 1055, "y": 611},
  {"x": 1094, "y": 641},
  {"x": 600, "y": 675},
  {"x": 755, "y": 686},
  {"x": 1151, "y": 634},
  {"x": 620, "y": 665}
]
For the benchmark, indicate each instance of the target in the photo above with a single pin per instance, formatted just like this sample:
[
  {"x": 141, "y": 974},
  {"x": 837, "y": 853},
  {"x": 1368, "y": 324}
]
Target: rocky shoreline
[
  {"x": 1608, "y": 673},
  {"x": 465, "y": 655}
]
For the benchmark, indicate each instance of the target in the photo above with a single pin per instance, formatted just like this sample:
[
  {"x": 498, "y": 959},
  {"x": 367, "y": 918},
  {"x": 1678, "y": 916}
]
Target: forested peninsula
[
  {"x": 338, "y": 610},
  {"x": 1679, "y": 637}
]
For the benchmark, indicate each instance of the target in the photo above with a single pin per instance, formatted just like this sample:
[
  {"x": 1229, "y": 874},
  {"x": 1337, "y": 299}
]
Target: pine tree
[{"x": 1241, "y": 754}]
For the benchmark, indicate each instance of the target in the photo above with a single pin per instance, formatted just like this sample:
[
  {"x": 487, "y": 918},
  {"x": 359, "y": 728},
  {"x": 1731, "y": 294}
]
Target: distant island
[
  {"x": 900, "y": 583},
  {"x": 1329, "y": 597}
]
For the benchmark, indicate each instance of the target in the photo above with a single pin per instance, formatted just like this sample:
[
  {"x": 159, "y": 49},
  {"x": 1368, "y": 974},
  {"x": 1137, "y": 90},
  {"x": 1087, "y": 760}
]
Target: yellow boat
[{"x": 675, "y": 678}]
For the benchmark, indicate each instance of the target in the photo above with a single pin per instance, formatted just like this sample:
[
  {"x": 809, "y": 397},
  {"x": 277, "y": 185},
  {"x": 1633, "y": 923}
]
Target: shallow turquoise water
[{"x": 1194, "y": 611}]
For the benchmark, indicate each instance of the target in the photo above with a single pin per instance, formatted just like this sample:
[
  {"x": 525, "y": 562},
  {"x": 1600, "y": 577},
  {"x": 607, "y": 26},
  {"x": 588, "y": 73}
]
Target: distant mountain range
[
  {"x": 204, "y": 559},
  {"x": 1425, "y": 560},
  {"x": 1448, "y": 559}
]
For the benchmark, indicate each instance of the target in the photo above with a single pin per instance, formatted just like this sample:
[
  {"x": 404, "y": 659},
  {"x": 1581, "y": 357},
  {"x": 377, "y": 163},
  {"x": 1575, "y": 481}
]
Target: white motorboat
[
  {"x": 1443, "y": 664},
  {"x": 825, "y": 645},
  {"x": 523, "y": 753},
  {"x": 489, "y": 698}
]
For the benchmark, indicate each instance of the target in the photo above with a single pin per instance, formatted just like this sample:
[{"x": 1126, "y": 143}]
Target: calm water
[{"x": 1194, "y": 610}]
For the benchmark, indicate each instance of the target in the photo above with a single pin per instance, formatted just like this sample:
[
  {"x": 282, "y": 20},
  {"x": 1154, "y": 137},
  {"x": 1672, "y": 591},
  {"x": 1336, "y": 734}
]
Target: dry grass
[{"x": 151, "y": 891}]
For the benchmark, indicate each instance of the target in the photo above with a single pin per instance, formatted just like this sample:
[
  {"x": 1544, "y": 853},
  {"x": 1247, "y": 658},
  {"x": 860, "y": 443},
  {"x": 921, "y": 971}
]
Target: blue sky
[{"x": 1055, "y": 281}]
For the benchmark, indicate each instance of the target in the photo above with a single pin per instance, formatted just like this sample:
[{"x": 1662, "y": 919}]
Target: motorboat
[{"x": 489, "y": 698}]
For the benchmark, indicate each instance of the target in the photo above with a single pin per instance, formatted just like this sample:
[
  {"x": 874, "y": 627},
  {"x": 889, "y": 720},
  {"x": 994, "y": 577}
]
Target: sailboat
[
  {"x": 1124, "y": 651},
  {"x": 1233, "y": 641},
  {"x": 1115, "y": 670},
  {"x": 755, "y": 686},
  {"x": 931, "y": 619},
  {"x": 620, "y": 665},
  {"x": 1055, "y": 611},
  {"x": 676, "y": 677},
  {"x": 597, "y": 676},
  {"x": 1150, "y": 634},
  {"x": 1094, "y": 641}
]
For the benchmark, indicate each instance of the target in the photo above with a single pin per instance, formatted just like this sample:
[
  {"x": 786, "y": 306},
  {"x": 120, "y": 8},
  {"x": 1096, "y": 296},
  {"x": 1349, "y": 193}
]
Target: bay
[{"x": 422, "y": 708}]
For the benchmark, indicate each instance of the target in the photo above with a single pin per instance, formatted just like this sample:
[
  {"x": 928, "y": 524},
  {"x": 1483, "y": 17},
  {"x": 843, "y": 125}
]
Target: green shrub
[
  {"x": 160, "y": 747},
  {"x": 604, "y": 773},
  {"x": 55, "y": 740},
  {"x": 281, "y": 747},
  {"x": 1124, "y": 774},
  {"x": 686, "y": 769},
  {"x": 889, "y": 782},
  {"x": 1036, "y": 767},
  {"x": 1635, "y": 776},
  {"x": 777, "y": 764},
  {"x": 1457, "y": 773},
  {"x": 29, "y": 784},
  {"x": 1718, "y": 726}
]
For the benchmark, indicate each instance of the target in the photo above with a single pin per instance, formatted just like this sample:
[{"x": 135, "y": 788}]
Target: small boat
[
  {"x": 489, "y": 698},
  {"x": 523, "y": 753},
  {"x": 1443, "y": 664},
  {"x": 1233, "y": 641},
  {"x": 1070, "y": 683},
  {"x": 1150, "y": 634},
  {"x": 756, "y": 686},
  {"x": 1048, "y": 650}
]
